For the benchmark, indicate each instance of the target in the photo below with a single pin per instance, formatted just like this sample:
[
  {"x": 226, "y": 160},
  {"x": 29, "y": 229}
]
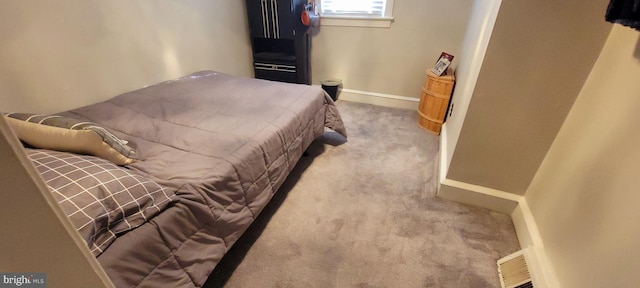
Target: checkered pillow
[{"x": 101, "y": 199}]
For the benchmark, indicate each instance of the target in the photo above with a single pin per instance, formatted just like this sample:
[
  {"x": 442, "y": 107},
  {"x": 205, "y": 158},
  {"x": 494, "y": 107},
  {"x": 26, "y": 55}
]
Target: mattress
[{"x": 225, "y": 145}]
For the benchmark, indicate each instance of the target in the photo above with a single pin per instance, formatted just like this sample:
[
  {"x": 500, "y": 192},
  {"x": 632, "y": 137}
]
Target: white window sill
[{"x": 351, "y": 21}]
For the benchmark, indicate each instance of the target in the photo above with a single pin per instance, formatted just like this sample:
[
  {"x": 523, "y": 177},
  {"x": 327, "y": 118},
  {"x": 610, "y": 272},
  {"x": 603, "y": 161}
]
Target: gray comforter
[{"x": 226, "y": 144}]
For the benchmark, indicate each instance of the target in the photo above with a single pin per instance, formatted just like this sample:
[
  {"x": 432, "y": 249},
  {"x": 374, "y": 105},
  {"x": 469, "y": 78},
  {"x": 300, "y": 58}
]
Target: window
[{"x": 363, "y": 13}]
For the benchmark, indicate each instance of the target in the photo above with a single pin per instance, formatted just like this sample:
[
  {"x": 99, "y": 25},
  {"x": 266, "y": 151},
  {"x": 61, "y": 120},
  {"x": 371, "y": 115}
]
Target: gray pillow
[{"x": 101, "y": 199}]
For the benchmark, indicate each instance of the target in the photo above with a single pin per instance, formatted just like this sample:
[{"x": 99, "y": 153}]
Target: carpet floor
[{"x": 363, "y": 213}]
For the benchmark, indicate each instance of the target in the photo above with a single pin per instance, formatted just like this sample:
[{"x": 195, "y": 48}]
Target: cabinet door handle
[
  {"x": 265, "y": 18},
  {"x": 274, "y": 67},
  {"x": 274, "y": 17}
]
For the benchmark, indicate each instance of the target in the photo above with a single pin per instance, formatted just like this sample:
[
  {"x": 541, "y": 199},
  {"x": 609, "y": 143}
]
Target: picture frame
[{"x": 442, "y": 64}]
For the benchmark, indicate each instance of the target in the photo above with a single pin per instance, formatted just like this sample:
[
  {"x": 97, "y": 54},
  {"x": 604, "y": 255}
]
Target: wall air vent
[{"x": 514, "y": 270}]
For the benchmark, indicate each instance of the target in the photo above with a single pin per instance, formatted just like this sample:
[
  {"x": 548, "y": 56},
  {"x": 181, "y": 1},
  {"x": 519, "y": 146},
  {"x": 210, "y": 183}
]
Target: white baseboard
[
  {"x": 379, "y": 99},
  {"x": 529, "y": 236},
  {"x": 526, "y": 228},
  {"x": 443, "y": 154},
  {"x": 480, "y": 196}
]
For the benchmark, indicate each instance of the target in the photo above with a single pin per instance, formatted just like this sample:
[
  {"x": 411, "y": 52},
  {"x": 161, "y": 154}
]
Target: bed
[{"x": 207, "y": 150}]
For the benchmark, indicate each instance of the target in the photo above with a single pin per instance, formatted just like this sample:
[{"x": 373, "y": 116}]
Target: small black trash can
[{"x": 331, "y": 87}]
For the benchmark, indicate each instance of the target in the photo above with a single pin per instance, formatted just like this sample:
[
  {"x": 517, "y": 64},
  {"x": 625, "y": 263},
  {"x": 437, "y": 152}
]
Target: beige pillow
[{"x": 70, "y": 135}]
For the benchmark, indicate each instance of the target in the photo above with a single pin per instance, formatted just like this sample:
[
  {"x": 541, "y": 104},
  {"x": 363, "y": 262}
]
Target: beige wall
[
  {"x": 538, "y": 57},
  {"x": 391, "y": 60},
  {"x": 60, "y": 54},
  {"x": 474, "y": 47},
  {"x": 585, "y": 197},
  {"x": 37, "y": 237}
]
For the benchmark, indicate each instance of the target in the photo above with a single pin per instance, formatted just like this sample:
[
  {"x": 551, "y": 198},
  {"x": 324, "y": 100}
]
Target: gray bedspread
[{"x": 226, "y": 144}]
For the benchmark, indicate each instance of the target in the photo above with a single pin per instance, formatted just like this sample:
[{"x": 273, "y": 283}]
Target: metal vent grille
[{"x": 514, "y": 271}]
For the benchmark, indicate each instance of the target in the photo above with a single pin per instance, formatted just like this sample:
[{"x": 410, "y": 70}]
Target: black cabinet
[
  {"x": 271, "y": 18},
  {"x": 279, "y": 40}
]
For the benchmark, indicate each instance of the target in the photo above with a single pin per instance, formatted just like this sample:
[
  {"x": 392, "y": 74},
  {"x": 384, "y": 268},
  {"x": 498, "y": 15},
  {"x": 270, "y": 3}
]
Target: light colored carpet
[{"x": 364, "y": 214}]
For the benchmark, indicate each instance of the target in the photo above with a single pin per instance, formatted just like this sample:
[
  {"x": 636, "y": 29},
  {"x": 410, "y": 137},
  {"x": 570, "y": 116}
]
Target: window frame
[{"x": 383, "y": 21}]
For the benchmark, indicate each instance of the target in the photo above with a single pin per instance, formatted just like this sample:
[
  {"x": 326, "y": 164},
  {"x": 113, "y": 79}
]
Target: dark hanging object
[{"x": 625, "y": 12}]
